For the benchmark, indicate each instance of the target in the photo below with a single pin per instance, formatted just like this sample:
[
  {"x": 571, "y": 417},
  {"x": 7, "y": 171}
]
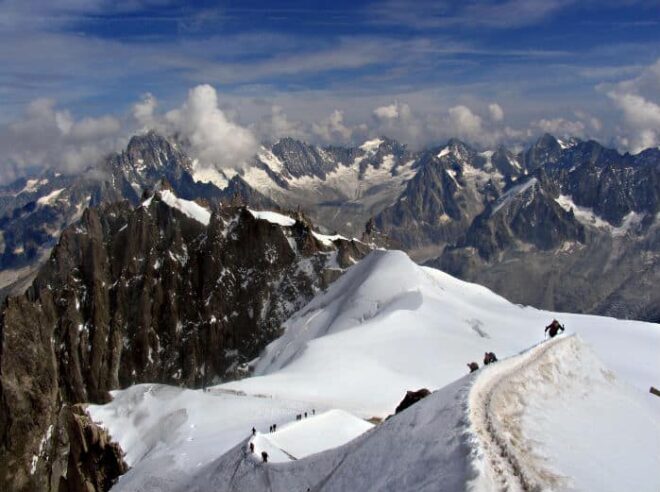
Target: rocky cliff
[{"x": 167, "y": 291}]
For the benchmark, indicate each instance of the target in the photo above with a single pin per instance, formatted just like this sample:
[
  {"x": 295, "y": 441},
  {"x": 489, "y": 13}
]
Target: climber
[
  {"x": 553, "y": 328},
  {"x": 264, "y": 456},
  {"x": 254, "y": 432},
  {"x": 473, "y": 366},
  {"x": 251, "y": 447},
  {"x": 274, "y": 427},
  {"x": 489, "y": 357}
]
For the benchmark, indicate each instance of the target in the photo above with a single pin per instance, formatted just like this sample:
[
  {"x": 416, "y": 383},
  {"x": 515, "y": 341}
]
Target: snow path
[
  {"x": 498, "y": 428},
  {"x": 547, "y": 418}
]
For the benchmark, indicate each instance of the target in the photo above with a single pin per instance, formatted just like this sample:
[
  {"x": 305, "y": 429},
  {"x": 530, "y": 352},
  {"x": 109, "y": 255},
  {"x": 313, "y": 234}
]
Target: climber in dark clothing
[
  {"x": 489, "y": 357},
  {"x": 254, "y": 431},
  {"x": 251, "y": 447},
  {"x": 553, "y": 328},
  {"x": 473, "y": 366},
  {"x": 264, "y": 456}
]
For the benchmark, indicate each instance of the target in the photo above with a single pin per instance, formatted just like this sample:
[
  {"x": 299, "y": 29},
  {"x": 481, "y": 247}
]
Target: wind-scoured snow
[
  {"x": 273, "y": 217},
  {"x": 385, "y": 327},
  {"x": 187, "y": 207}
]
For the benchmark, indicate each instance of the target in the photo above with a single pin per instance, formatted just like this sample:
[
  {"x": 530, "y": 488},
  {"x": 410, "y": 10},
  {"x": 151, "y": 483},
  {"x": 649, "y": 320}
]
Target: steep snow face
[
  {"x": 187, "y": 207},
  {"x": 389, "y": 325},
  {"x": 555, "y": 418}
]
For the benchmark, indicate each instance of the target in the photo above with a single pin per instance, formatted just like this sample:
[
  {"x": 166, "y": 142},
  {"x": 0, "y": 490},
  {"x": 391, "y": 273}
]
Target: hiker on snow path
[
  {"x": 489, "y": 357},
  {"x": 553, "y": 328},
  {"x": 473, "y": 366}
]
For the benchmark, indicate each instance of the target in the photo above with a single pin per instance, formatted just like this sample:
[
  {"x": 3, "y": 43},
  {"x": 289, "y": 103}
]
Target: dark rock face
[
  {"x": 32, "y": 215},
  {"x": 411, "y": 398},
  {"x": 525, "y": 214},
  {"x": 580, "y": 233},
  {"x": 148, "y": 294},
  {"x": 451, "y": 187},
  {"x": 94, "y": 461}
]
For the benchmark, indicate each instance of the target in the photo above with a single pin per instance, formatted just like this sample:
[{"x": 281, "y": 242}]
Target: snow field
[
  {"x": 310, "y": 435},
  {"x": 385, "y": 327}
]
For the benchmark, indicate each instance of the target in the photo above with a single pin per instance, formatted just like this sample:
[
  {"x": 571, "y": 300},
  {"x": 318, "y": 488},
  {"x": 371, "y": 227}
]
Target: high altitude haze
[{"x": 80, "y": 77}]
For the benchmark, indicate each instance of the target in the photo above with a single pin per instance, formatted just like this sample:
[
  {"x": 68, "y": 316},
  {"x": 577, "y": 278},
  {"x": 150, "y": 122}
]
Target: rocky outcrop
[
  {"x": 411, "y": 398},
  {"x": 94, "y": 462},
  {"x": 132, "y": 295}
]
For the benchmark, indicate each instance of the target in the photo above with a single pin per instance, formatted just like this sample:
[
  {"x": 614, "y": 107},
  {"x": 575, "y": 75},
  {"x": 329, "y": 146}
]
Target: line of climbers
[
  {"x": 489, "y": 357},
  {"x": 273, "y": 428}
]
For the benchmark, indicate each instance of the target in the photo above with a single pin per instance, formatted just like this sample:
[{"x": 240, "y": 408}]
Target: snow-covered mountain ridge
[{"x": 388, "y": 326}]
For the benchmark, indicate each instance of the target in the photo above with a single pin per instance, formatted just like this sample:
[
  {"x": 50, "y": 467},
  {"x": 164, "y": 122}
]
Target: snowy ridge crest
[{"x": 513, "y": 403}]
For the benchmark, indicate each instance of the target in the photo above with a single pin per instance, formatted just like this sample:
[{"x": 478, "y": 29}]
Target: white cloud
[
  {"x": 144, "y": 112},
  {"x": 332, "y": 129},
  {"x": 212, "y": 137},
  {"x": 465, "y": 123},
  {"x": 387, "y": 112},
  {"x": 496, "y": 112},
  {"x": 561, "y": 127},
  {"x": 640, "y": 127},
  {"x": 277, "y": 124},
  {"x": 46, "y": 136}
]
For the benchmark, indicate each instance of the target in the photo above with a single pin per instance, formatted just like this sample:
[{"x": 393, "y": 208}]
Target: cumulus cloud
[
  {"x": 496, "y": 112},
  {"x": 561, "y": 127},
  {"x": 389, "y": 112},
  {"x": 277, "y": 124},
  {"x": 46, "y": 136},
  {"x": 465, "y": 123},
  {"x": 213, "y": 138},
  {"x": 332, "y": 129},
  {"x": 144, "y": 112},
  {"x": 637, "y": 100}
]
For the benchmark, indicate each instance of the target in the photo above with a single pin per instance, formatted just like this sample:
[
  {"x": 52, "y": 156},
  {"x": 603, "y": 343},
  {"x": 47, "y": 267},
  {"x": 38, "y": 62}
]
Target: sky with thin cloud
[{"x": 79, "y": 77}]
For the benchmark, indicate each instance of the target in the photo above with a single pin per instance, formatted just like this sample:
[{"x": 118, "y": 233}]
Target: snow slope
[
  {"x": 555, "y": 418},
  {"x": 187, "y": 207},
  {"x": 389, "y": 325},
  {"x": 310, "y": 435},
  {"x": 495, "y": 430},
  {"x": 385, "y": 327}
]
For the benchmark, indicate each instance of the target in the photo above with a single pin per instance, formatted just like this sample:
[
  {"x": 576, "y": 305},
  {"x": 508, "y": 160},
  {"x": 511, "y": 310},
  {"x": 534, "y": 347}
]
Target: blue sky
[{"x": 574, "y": 67}]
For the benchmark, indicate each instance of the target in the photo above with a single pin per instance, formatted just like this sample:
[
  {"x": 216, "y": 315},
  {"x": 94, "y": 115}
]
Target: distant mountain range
[{"x": 564, "y": 224}]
